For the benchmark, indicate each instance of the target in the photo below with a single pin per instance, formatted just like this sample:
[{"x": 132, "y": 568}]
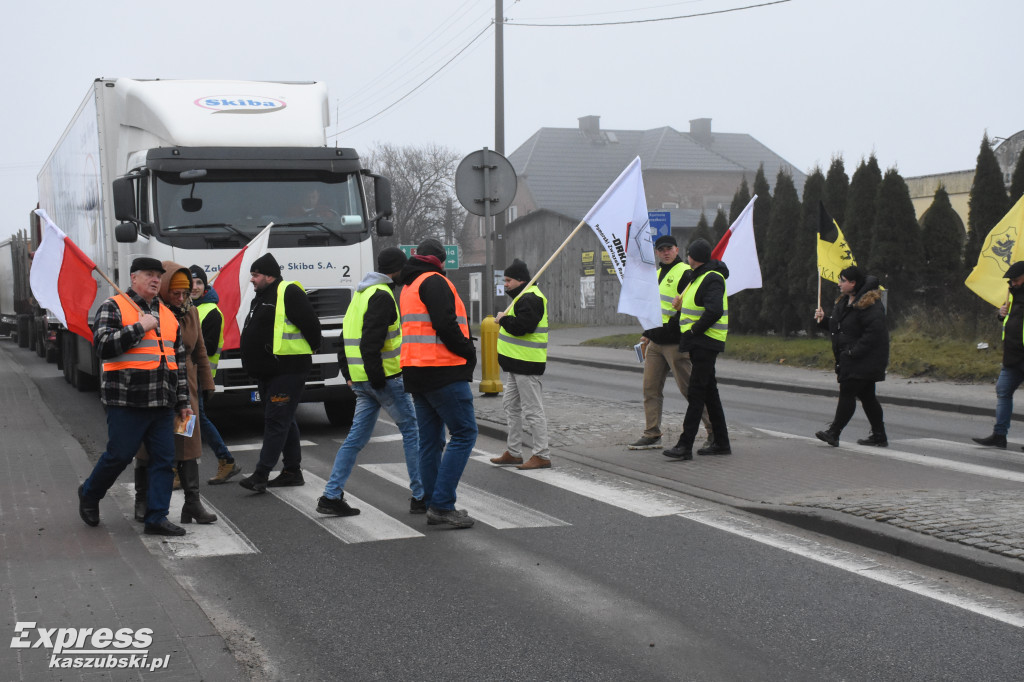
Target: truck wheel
[
  {"x": 32, "y": 342},
  {"x": 340, "y": 412},
  {"x": 23, "y": 333},
  {"x": 51, "y": 354}
]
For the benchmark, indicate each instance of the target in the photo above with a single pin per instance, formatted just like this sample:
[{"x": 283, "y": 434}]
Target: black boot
[
  {"x": 830, "y": 436},
  {"x": 141, "y": 490},
  {"x": 192, "y": 510},
  {"x": 681, "y": 450},
  {"x": 876, "y": 439},
  {"x": 993, "y": 441}
]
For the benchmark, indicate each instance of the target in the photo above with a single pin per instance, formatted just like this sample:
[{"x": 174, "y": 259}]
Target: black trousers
[
  {"x": 850, "y": 391},
  {"x": 703, "y": 393},
  {"x": 281, "y": 396}
]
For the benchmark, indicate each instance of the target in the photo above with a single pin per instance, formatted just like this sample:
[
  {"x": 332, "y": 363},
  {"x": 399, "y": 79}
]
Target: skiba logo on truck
[{"x": 240, "y": 104}]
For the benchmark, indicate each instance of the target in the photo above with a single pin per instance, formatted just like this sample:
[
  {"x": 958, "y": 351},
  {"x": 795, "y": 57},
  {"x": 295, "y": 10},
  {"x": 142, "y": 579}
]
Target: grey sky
[{"x": 917, "y": 82}]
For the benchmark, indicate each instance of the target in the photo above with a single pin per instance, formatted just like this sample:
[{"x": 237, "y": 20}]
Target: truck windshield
[{"x": 225, "y": 208}]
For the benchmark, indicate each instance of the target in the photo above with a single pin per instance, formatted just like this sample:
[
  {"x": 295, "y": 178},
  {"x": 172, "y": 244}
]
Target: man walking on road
[
  {"x": 704, "y": 323},
  {"x": 523, "y": 354},
  {"x": 278, "y": 339},
  {"x": 1012, "y": 373},
  {"x": 661, "y": 346},
  {"x": 438, "y": 358},
  {"x": 370, "y": 360},
  {"x": 143, "y": 386}
]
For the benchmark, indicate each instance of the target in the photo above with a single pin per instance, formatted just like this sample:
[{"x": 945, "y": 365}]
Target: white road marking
[
  {"x": 370, "y": 525},
  {"x": 936, "y": 462},
  {"x": 220, "y": 538},
  {"x": 612, "y": 490},
  {"x": 258, "y": 446},
  {"x": 485, "y": 507},
  {"x": 753, "y": 529},
  {"x": 377, "y": 439}
]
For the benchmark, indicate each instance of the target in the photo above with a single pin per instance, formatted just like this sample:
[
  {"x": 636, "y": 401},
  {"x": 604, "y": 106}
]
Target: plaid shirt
[{"x": 161, "y": 387}]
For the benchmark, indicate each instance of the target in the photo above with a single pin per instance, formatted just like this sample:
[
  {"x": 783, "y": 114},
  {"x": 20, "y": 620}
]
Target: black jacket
[
  {"x": 440, "y": 304},
  {"x": 528, "y": 311},
  {"x": 257, "y": 341},
  {"x": 709, "y": 296},
  {"x": 668, "y": 333},
  {"x": 1013, "y": 332},
  {"x": 860, "y": 337}
]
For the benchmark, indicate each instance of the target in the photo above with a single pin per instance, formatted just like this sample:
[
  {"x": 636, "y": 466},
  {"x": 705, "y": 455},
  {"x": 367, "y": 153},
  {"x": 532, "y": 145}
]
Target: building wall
[{"x": 958, "y": 187}]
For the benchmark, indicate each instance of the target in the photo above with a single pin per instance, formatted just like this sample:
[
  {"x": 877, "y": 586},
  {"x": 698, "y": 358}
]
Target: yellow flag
[
  {"x": 834, "y": 253},
  {"x": 1000, "y": 250}
]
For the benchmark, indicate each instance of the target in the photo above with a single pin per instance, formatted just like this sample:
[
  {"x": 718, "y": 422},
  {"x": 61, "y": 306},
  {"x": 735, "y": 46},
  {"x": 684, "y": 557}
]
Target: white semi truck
[{"x": 190, "y": 171}]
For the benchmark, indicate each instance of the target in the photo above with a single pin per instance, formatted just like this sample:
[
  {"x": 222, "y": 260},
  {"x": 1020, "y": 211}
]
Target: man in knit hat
[
  {"x": 523, "y": 354},
  {"x": 280, "y": 335},
  {"x": 370, "y": 360}
]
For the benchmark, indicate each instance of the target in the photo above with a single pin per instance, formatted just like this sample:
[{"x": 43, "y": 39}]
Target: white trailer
[{"x": 190, "y": 171}]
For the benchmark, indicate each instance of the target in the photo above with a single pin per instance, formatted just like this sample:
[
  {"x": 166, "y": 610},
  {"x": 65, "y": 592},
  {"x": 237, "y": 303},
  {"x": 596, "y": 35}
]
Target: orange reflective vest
[
  {"x": 153, "y": 347},
  {"x": 420, "y": 345}
]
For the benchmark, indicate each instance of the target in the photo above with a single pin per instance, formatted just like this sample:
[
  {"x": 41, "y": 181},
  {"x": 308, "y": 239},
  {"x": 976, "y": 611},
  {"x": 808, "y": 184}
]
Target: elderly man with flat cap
[
  {"x": 143, "y": 387},
  {"x": 1012, "y": 373},
  {"x": 661, "y": 346}
]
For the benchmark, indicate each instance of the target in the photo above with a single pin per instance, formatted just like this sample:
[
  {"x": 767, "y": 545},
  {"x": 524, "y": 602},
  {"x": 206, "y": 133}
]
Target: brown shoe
[
  {"x": 506, "y": 458},
  {"x": 535, "y": 462}
]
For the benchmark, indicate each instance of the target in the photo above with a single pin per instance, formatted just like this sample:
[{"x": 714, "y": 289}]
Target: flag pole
[
  {"x": 545, "y": 266},
  {"x": 819, "y": 287}
]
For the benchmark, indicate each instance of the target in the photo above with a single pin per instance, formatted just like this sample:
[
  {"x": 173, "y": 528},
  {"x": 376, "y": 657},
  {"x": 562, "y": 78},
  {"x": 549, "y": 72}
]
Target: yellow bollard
[{"x": 490, "y": 372}]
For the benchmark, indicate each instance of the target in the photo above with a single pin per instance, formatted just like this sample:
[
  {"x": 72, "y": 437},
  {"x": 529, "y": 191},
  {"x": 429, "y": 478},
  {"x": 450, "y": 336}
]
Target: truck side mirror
[
  {"x": 126, "y": 233},
  {"x": 385, "y": 228},
  {"x": 124, "y": 200},
  {"x": 382, "y": 196}
]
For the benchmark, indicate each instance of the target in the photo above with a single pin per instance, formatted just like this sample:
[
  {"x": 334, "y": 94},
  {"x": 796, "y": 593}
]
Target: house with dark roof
[{"x": 562, "y": 172}]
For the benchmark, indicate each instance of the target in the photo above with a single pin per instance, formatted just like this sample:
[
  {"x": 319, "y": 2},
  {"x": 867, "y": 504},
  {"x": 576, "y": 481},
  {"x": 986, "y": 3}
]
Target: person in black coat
[{"x": 860, "y": 344}]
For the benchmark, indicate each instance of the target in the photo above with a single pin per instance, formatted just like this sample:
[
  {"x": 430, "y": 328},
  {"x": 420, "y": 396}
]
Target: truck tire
[
  {"x": 32, "y": 334},
  {"x": 52, "y": 355},
  {"x": 23, "y": 333},
  {"x": 340, "y": 412}
]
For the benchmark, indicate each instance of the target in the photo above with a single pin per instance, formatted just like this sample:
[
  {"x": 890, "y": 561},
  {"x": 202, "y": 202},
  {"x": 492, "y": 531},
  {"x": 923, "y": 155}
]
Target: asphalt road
[{"x": 591, "y": 578}]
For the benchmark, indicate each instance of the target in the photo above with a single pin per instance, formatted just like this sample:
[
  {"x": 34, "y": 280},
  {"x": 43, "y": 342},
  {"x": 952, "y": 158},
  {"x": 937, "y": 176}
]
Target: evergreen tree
[
  {"x": 778, "y": 309},
  {"x": 753, "y": 299},
  {"x": 860, "y": 210},
  {"x": 803, "y": 264},
  {"x": 837, "y": 186},
  {"x": 1017, "y": 180},
  {"x": 988, "y": 202},
  {"x": 702, "y": 231},
  {"x": 719, "y": 227},
  {"x": 739, "y": 201},
  {"x": 942, "y": 234},
  {"x": 897, "y": 255}
]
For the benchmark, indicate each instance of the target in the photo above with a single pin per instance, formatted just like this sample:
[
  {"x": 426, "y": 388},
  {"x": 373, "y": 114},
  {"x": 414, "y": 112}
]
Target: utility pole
[{"x": 499, "y": 128}]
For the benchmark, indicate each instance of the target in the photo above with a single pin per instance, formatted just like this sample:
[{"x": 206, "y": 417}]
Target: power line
[
  {"x": 648, "y": 21},
  {"x": 420, "y": 85}
]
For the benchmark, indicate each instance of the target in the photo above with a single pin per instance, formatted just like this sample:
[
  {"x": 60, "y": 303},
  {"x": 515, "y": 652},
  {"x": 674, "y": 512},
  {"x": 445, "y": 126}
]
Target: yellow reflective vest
[
  {"x": 205, "y": 309},
  {"x": 352, "y": 334},
  {"x": 669, "y": 289},
  {"x": 690, "y": 312},
  {"x": 532, "y": 347},
  {"x": 288, "y": 339}
]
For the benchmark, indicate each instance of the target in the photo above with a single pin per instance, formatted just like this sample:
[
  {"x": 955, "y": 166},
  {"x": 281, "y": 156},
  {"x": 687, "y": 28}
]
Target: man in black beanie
[
  {"x": 704, "y": 323},
  {"x": 370, "y": 360},
  {"x": 523, "y": 354},
  {"x": 280, "y": 335}
]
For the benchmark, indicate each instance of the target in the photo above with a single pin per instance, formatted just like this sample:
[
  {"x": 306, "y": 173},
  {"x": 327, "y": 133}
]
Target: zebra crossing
[{"x": 224, "y": 537}]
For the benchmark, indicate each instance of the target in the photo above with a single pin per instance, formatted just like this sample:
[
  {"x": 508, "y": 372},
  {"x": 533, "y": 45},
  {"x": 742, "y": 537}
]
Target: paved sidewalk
[
  {"x": 969, "y": 523},
  {"x": 60, "y": 573}
]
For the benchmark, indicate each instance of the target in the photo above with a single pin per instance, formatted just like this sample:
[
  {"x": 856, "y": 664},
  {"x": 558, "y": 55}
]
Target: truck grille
[{"x": 330, "y": 302}]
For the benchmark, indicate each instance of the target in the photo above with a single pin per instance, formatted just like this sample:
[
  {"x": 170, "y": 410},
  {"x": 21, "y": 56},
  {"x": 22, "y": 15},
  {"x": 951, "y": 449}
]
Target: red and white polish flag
[
  {"x": 738, "y": 250},
  {"x": 61, "y": 278},
  {"x": 233, "y": 287}
]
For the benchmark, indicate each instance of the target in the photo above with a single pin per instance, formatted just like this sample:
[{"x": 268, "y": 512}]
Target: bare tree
[{"x": 423, "y": 191}]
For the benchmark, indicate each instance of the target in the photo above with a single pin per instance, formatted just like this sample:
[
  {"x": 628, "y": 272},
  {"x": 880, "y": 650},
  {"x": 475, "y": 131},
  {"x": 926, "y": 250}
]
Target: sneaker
[
  {"x": 287, "y": 479},
  {"x": 338, "y": 507},
  {"x": 458, "y": 518},
  {"x": 646, "y": 443},
  {"x": 256, "y": 483},
  {"x": 417, "y": 506},
  {"x": 225, "y": 470}
]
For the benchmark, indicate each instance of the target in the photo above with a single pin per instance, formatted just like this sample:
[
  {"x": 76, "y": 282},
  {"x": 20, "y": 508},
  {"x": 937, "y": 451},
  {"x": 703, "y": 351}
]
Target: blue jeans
[
  {"x": 1009, "y": 379},
  {"x": 369, "y": 400},
  {"x": 211, "y": 435},
  {"x": 281, "y": 395},
  {"x": 127, "y": 429},
  {"x": 450, "y": 406}
]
